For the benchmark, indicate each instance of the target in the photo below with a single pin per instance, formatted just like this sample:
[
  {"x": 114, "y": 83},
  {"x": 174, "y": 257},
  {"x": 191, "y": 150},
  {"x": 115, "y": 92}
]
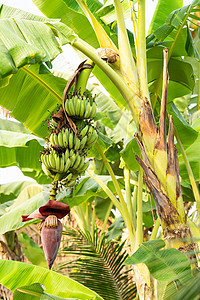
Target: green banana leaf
[
  {"x": 186, "y": 133},
  {"x": 32, "y": 251},
  {"x": 21, "y": 44},
  {"x": 164, "y": 265},
  {"x": 35, "y": 291},
  {"x": 27, "y": 202},
  {"x": 181, "y": 79},
  {"x": 14, "y": 274},
  {"x": 76, "y": 20},
  {"x": 81, "y": 26},
  {"x": 31, "y": 96},
  {"x": 12, "y": 220},
  {"x": 192, "y": 153},
  {"x": 13, "y": 134},
  {"x": 10, "y": 191},
  {"x": 161, "y": 13}
]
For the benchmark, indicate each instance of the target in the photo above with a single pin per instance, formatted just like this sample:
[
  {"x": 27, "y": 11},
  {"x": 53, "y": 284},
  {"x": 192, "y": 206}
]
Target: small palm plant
[{"x": 98, "y": 265}]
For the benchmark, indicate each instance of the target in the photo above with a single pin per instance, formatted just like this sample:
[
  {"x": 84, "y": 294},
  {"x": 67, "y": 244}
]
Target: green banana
[
  {"x": 67, "y": 165},
  {"x": 65, "y": 137},
  {"x": 67, "y": 107},
  {"x": 77, "y": 105},
  {"x": 71, "y": 108},
  {"x": 57, "y": 160},
  {"x": 71, "y": 183},
  {"x": 42, "y": 158},
  {"x": 90, "y": 131},
  {"x": 55, "y": 139},
  {"x": 92, "y": 110},
  {"x": 85, "y": 166},
  {"x": 62, "y": 163},
  {"x": 47, "y": 161},
  {"x": 67, "y": 178},
  {"x": 72, "y": 158},
  {"x": 77, "y": 162},
  {"x": 47, "y": 171},
  {"x": 51, "y": 139},
  {"x": 77, "y": 142},
  {"x": 93, "y": 139},
  {"x": 66, "y": 154},
  {"x": 71, "y": 139},
  {"x": 84, "y": 131},
  {"x": 82, "y": 108},
  {"x": 87, "y": 110},
  {"x": 52, "y": 159},
  {"x": 81, "y": 164},
  {"x": 60, "y": 139},
  {"x": 83, "y": 142}
]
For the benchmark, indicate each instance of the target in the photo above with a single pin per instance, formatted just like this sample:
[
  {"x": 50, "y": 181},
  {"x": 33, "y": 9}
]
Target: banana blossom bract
[{"x": 51, "y": 227}]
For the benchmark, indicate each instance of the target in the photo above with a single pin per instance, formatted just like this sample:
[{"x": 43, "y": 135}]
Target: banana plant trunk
[{"x": 161, "y": 171}]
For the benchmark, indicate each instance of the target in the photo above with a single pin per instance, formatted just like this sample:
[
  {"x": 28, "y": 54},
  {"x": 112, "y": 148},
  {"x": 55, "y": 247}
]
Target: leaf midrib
[{"x": 42, "y": 82}]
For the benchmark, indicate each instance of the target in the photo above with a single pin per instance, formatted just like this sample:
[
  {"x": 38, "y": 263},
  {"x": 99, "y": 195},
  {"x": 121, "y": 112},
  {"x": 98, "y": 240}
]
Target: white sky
[{"x": 13, "y": 173}]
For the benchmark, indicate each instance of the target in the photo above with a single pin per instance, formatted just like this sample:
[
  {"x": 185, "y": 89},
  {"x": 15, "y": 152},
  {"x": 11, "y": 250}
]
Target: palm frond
[{"x": 98, "y": 265}]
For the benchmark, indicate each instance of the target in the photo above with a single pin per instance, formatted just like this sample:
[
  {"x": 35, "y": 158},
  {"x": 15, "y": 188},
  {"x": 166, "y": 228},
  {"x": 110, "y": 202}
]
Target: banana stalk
[{"x": 161, "y": 173}]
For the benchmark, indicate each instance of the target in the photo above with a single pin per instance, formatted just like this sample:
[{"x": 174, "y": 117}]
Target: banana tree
[{"x": 132, "y": 68}]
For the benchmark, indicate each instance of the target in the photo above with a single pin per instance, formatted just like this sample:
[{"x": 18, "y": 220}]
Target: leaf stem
[
  {"x": 128, "y": 192},
  {"x": 88, "y": 215},
  {"x": 93, "y": 220},
  {"x": 27, "y": 70},
  {"x": 118, "y": 190},
  {"x": 106, "y": 190},
  {"x": 190, "y": 173},
  {"x": 123, "y": 212},
  {"x": 139, "y": 230},
  {"x": 198, "y": 105},
  {"x": 131, "y": 97},
  {"x": 134, "y": 21},
  {"x": 106, "y": 218},
  {"x": 155, "y": 230},
  {"x": 141, "y": 51},
  {"x": 134, "y": 204},
  {"x": 80, "y": 218},
  {"x": 127, "y": 63}
]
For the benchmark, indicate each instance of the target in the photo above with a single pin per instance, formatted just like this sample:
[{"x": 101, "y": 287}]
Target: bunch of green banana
[
  {"x": 66, "y": 138},
  {"x": 56, "y": 163},
  {"x": 65, "y": 155},
  {"x": 80, "y": 107}
]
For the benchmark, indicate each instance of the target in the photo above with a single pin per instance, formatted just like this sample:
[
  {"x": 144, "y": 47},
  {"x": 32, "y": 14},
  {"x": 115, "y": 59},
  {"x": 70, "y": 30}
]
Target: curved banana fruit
[
  {"x": 71, "y": 140},
  {"x": 77, "y": 143},
  {"x": 82, "y": 108},
  {"x": 77, "y": 162},
  {"x": 66, "y": 138},
  {"x": 60, "y": 139},
  {"x": 52, "y": 159},
  {"x": 87, "y": 110},
  {"x": 84, "y": 131},
  {"x": 47, "y": 171},
  {"x": 92, "y": 110},
  {"x": 85, "y": 166},
  {"x": 92, "y": 140}
]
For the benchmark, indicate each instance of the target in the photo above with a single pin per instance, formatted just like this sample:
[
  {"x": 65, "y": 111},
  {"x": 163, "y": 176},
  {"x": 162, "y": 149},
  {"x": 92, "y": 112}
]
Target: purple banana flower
[{"x": 51, "y": 227}]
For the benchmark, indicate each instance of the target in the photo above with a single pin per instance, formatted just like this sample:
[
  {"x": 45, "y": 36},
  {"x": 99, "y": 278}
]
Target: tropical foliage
[{"x": 142, "y": 86}]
